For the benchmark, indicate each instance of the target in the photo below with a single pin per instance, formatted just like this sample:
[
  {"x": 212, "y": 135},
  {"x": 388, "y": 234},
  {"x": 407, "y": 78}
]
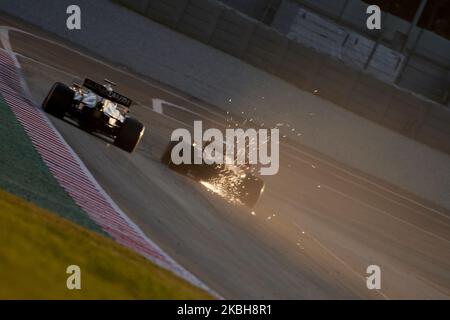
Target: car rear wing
[{"x": 101, "y": 90}]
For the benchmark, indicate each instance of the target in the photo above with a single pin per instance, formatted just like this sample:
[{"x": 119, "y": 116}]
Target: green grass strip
[{"x": 37, "y": 246}]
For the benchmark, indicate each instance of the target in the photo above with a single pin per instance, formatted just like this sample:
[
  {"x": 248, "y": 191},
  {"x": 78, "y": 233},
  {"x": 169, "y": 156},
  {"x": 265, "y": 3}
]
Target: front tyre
[
  {"x": 58, "y": 100},
  {"x": 130, "y": 134}
]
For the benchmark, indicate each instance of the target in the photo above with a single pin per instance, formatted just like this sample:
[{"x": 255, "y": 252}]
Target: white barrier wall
[{"x": 338, "y": 28}]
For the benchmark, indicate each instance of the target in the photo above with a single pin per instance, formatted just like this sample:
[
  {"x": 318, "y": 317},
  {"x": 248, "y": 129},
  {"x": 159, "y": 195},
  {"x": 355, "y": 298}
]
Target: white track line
[{"x": 341, "y": 261}]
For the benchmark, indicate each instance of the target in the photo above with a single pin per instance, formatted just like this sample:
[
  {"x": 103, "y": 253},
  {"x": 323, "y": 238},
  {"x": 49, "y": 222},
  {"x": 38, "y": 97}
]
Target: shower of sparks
[
  {"x": 230, "y": 184},
  {"x": 219, "y": 189}
]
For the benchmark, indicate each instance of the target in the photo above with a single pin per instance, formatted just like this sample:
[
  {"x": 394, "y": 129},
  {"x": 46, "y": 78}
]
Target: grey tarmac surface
[{"x": 316, "y": 229}]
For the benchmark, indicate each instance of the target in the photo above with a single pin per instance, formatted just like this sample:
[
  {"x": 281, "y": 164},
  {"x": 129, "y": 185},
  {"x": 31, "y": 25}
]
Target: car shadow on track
[{"x": 74, "y": 124}]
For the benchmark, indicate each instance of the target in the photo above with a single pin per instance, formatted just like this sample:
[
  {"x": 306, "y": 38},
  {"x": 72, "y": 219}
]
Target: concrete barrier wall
[
  {"x": 426, "y": 55},
  {"x": 234, "y": 33},
  {"x": 231, "y": 33},
  {"x": 199, "y": 19},
  {"x": 254, "y": 8},
  {"x": 265, "y": 48},
  {"x": 425, "y": 77},
  {"x": 342, "y": 43}
]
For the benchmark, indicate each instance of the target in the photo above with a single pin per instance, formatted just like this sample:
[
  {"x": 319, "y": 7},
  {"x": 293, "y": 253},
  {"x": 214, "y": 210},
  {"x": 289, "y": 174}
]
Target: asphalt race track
[{"x": 316, "y": 229}]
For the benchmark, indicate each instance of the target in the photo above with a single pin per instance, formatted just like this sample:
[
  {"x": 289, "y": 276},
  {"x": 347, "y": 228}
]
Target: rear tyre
[
  {"x": 167, "y": 155},
  {"x": 252, "y": 188},
  {"x": 129, "y": 135},
  {"x": 58, "y": 100},
  {"x": 167, "y": 159}
]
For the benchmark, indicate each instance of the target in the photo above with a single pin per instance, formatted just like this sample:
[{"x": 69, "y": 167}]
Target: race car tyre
[
  {"x": 167, "y": 155},
  {"x": 251, "y": 189},
  {"x": 167, "y": 159},
  {"x": 58, "y": 100},
  {"x": 129, "y": 135}
]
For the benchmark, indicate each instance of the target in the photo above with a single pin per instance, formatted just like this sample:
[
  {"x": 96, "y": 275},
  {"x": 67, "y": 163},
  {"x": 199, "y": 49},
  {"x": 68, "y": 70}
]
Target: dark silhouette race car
[{"x": 236, "y": 183}]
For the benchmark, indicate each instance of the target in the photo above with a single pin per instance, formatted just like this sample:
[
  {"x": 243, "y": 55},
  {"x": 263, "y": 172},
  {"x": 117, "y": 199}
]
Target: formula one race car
[
  {"x": 96, "y": 108},
  {"x": 236, "y": 183}
]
